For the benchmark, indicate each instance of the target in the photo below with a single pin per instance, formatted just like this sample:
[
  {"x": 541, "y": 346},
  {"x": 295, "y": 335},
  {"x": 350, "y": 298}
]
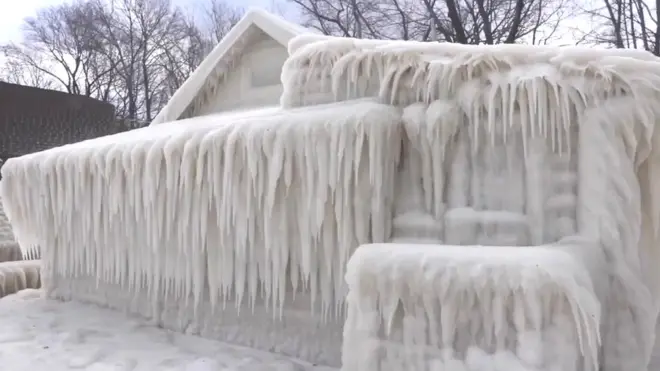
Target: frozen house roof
[{"x": 203, "y": 82}]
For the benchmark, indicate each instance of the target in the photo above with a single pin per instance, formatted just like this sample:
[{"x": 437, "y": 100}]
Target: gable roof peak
[{"x": 214, "y": 65}]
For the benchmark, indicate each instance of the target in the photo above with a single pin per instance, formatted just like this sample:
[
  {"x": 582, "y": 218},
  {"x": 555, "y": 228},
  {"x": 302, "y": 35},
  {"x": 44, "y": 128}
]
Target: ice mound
[{"x": 521, "y": 308}]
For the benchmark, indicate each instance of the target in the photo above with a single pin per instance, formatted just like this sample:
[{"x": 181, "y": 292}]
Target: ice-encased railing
[
  {"x": 611, "y": 97},
  {"x": 450, "y": 308},
  {"x": 240, "y": 210}
]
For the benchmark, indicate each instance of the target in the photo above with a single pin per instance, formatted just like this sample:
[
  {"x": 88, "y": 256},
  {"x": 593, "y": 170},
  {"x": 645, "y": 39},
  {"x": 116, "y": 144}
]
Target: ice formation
[
  {"x": 214, "y": 212},
  {"x": 511, "y": 182},
  {"x": 19, "y": 275},
  {"x": 488, "y": 308},
  {"x": 161, "y": 206}
]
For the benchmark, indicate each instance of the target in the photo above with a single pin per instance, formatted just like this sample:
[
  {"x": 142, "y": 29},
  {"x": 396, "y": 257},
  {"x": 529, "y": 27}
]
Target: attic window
[{"x": 266, "y": 74}]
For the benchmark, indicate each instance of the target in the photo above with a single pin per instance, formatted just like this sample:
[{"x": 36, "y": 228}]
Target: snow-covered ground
[{"x": 40, "y": 334}]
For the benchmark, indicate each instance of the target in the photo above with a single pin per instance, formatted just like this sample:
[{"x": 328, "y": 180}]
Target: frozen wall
[{"x": 195, "y": 222}]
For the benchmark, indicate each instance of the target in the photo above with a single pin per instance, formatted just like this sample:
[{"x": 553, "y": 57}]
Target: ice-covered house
[
  {"x": 409, "y": 206},
  {"x": 241, "y": 72}
]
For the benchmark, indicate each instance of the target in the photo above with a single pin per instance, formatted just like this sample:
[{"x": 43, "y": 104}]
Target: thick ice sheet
[
  {"x": 414, "y": 306},
  {"x": 41, "y": 334}
]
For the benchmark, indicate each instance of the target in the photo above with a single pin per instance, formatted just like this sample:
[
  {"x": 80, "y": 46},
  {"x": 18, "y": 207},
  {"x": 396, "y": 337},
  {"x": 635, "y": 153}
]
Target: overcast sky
[{"x": 13, "y": 13}]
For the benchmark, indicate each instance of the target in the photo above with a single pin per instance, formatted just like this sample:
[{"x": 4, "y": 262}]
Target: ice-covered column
[{"x": 610, "y": 213}]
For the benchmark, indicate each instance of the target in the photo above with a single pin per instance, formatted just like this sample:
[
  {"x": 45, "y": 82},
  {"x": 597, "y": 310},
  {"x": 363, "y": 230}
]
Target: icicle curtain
[{"x": 226, "y": 205}]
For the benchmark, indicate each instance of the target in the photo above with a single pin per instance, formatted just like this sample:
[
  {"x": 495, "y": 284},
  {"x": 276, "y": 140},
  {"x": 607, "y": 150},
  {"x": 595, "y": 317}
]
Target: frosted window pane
[{"x": 266, "y": 76}]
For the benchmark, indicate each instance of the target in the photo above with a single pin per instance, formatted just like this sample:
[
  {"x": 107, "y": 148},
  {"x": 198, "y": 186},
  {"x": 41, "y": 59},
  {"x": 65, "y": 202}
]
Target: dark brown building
[{"x": 33, "y": 119}]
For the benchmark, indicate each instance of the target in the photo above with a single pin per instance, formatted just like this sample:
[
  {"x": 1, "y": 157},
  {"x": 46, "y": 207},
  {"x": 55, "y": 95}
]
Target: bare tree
[
  {"x": 16, "y": 71},
  {"x": 140, "y": 34},
  {"x": 132, "y": 53},
  {"x": 625, "y": 24},
  {"x": 217, "y": 19},
  {"x": 197, "y": 37},
  {"x": 466, "y": 22},
  {"x": 60, "y": 43},
  {"x": 182, "y": 58}
]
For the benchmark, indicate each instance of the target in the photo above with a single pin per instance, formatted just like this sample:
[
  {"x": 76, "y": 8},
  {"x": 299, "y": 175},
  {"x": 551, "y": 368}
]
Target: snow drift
[{"x": 212, "y": 223}]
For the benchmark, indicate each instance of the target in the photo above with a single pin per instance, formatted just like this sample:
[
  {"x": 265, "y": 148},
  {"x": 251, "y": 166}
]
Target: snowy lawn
[{"x": 38, "y": 334}]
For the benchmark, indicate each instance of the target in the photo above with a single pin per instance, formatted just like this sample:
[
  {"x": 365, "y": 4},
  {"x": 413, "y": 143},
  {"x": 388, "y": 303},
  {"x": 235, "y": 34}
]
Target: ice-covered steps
[
  {"x": 19, "y": 275},
  {"x": 427, "y": 307}
]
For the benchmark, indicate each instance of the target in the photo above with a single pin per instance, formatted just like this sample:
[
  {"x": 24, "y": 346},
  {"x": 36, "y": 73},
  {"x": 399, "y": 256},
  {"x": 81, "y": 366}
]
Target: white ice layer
[
  {"x": 474, "y": 308},
  {"x": 500, "y": 146},
  {"x": 239, "y": 207},
  {"x": 325, "y": 69}
]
